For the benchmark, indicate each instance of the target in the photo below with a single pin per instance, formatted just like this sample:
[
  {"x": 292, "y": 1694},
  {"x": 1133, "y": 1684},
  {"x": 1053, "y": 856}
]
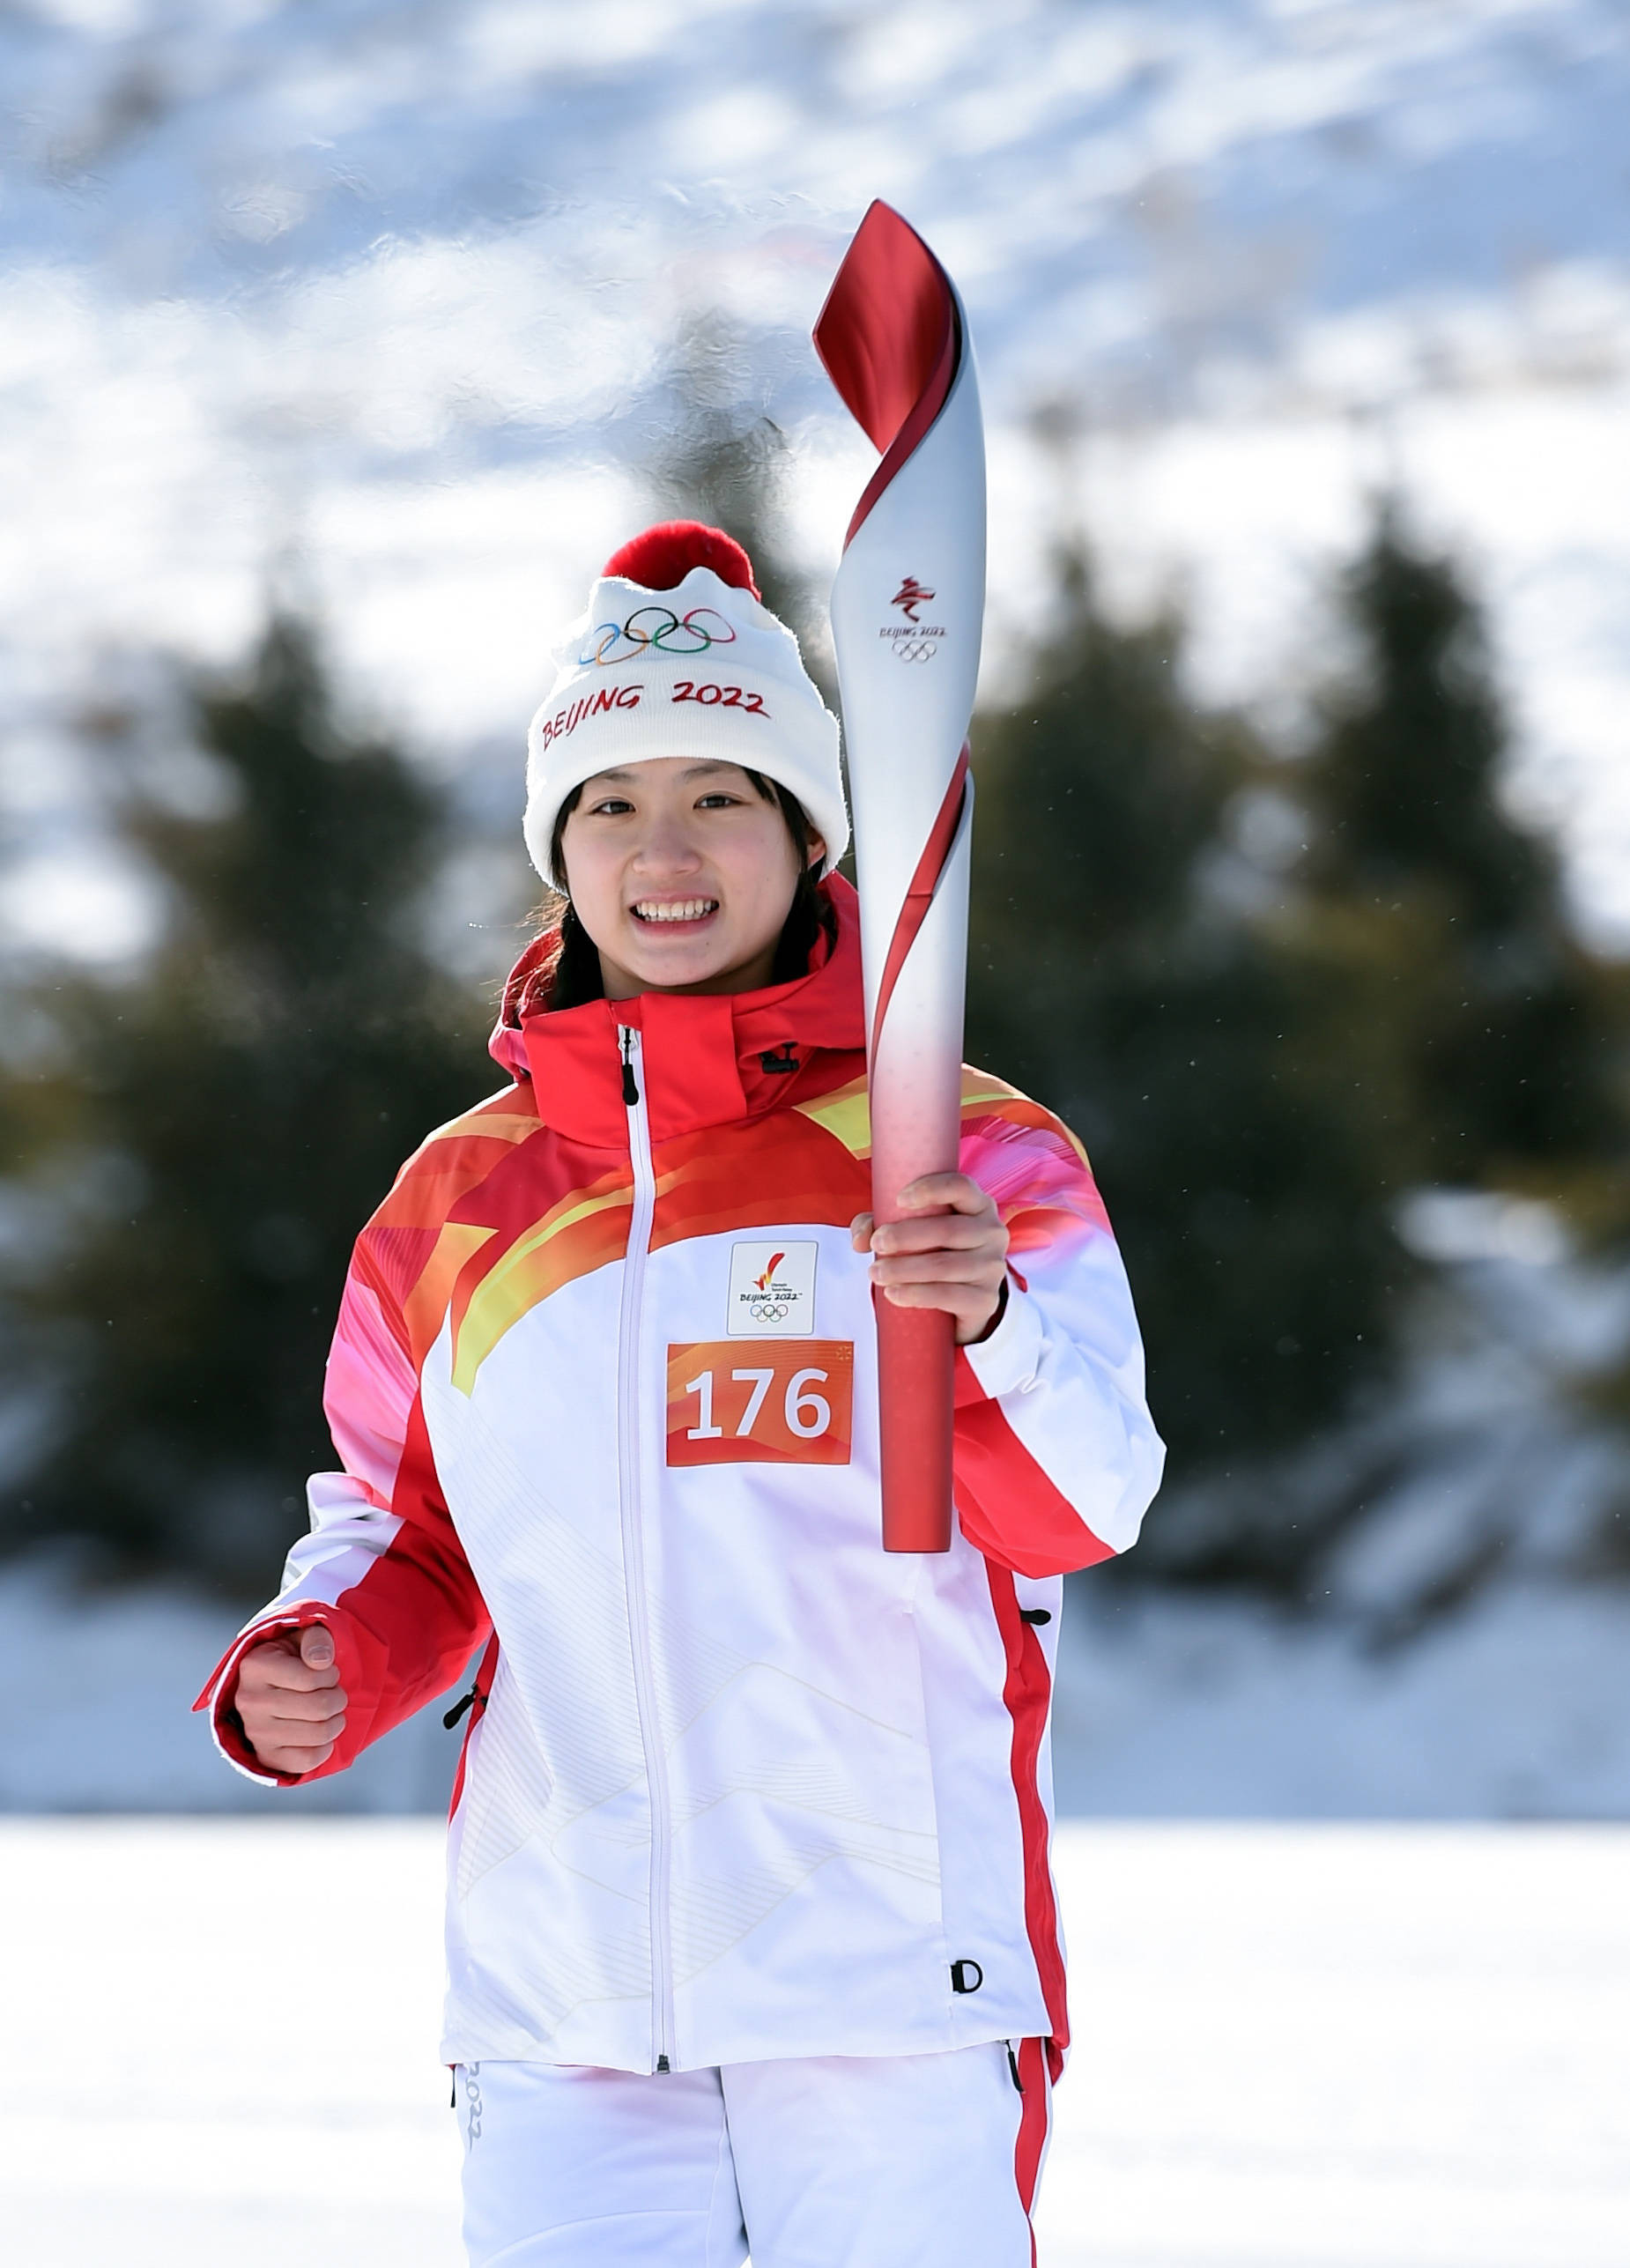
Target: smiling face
[{"x": 682, "y": 874}]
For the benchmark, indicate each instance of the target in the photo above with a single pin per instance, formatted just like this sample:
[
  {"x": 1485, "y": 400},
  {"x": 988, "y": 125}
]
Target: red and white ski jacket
[{"x": 739, "y": 1783}]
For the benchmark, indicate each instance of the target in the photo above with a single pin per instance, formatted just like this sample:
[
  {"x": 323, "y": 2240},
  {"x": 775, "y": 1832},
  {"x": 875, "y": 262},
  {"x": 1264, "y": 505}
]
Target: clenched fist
[{"x": 289, "y": 1701}]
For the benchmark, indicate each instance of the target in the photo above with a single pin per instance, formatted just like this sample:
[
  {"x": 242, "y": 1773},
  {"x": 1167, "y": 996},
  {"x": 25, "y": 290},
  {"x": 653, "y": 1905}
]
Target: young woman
[{"x": 750, "y": 1930}]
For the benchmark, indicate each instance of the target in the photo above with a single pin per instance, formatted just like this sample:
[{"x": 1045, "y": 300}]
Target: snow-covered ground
[
  {"x": 1355, "y": 2047},
  {"x": 96, "y": 1693},
  {"x": 1518, "y": 1708},
  {"x": 384, "y": 300}
]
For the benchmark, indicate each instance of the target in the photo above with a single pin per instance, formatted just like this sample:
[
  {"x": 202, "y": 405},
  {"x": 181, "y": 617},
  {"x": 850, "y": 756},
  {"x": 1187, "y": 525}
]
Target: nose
[{"x": 666, "y": 848}]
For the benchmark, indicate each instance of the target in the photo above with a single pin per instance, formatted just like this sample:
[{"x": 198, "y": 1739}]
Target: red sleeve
[
  {"x": 1056, "y": 1457},
  {"x": 382, "y": 1566}
]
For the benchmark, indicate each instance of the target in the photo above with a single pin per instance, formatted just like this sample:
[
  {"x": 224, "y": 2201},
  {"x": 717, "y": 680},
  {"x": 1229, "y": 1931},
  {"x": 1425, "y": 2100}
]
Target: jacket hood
[{"x": 709, "y": 1058}]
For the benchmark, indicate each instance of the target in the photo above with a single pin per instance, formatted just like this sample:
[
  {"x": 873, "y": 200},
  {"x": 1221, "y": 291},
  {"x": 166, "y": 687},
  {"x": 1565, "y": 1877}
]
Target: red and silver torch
[{"x": 908, "y": 610}]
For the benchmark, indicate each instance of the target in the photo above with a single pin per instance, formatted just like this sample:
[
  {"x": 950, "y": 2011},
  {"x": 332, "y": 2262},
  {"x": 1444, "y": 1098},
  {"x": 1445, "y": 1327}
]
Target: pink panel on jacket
[
  {"x": 1032, "y": 1169},
  {"x": 369, "y": 1393}
]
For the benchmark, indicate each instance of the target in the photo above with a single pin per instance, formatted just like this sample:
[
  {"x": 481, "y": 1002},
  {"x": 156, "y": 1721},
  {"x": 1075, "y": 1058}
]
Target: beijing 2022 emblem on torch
[{"x": 907, "y": 613}]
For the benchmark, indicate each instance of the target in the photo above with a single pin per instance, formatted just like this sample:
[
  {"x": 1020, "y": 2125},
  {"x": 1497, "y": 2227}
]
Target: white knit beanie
[{"x": 677, "y": 657}]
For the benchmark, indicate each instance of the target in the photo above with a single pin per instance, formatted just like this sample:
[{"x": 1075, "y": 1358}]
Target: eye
[
  {"x": 611, "y": 805},
  {"x": 717, "y": 799}
]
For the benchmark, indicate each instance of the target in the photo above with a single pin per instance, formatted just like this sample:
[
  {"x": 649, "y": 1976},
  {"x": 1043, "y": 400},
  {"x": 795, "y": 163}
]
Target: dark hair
[{"x": 577, "y": 976}]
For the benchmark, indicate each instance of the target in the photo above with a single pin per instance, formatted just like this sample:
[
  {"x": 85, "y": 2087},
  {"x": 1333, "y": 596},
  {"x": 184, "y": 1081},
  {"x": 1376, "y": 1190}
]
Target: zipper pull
[
  {"x": 465, "y": 1702},
  {"x": 630, "y": 1093}
]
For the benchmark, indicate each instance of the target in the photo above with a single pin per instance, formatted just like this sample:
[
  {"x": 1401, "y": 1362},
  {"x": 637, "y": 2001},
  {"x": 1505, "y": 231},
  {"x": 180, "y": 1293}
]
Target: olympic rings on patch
[
  {"x": 767, "y": 1311},
  {"x": 914, "y": 650},
  {"x": 672, "y": 633}
]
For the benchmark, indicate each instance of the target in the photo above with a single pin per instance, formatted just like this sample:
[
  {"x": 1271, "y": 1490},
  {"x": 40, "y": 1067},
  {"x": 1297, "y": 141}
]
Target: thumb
[{"x": 316, "y": 1646}]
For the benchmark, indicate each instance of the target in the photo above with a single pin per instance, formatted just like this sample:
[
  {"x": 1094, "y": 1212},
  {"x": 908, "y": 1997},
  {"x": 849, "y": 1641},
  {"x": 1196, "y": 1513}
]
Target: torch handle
[{"x": 916, "y": 1349}]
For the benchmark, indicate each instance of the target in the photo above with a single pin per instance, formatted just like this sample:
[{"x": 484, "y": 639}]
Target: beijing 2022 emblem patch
[{"x": 772, "y": 1290}]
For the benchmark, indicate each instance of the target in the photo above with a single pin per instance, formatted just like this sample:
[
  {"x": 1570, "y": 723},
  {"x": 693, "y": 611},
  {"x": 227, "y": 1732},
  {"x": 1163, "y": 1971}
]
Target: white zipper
[{"x": 628, "y": 1413}]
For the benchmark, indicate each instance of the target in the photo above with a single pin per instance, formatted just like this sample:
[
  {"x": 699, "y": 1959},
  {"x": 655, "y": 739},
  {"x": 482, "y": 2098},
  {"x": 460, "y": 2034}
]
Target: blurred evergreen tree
[
  {"x": 1118, "y": 972},
  {"x": 244, "y": 1103},
  {"x": 1511, "y": 1034},
  {"x": 1266, "y": 1049}
]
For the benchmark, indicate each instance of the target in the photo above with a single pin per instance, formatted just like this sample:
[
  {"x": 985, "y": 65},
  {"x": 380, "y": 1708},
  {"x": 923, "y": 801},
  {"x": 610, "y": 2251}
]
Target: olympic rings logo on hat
[
  {"x": 671, "y": 633},
  {"x": 914, "y": 650}
]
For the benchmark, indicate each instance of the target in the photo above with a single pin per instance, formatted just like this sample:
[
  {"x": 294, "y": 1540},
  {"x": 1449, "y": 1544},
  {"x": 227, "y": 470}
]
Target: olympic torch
[{"x": 907, "y": 611}]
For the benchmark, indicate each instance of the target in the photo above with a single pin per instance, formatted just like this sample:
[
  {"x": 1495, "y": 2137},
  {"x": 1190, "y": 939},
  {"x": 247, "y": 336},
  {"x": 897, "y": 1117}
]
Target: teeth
[{"x": 684, "y": 909}]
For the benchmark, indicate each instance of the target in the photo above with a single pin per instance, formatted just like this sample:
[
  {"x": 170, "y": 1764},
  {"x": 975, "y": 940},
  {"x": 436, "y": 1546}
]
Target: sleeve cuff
[{"x": 1008, "y": 1361}]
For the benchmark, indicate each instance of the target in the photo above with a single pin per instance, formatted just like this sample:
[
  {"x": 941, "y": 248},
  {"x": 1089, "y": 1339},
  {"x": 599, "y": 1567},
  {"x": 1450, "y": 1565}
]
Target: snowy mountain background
[
  {"x": 383, "y": 300},
  {"x": 380, "y": 306}
]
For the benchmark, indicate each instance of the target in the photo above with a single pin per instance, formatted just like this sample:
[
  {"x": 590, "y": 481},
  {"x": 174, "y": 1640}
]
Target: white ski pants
[{"x": 834, "y": 2161}]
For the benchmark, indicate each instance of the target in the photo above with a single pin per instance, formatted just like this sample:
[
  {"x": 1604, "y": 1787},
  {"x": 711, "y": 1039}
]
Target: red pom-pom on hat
[{"x": 661, "y": 558}]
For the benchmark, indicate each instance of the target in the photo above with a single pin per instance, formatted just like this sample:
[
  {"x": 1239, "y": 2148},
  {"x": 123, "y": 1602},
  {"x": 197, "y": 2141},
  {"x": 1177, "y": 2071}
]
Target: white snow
[
  {"x": 1295, "y": 2047},
  {"x": 1378, "y": 2047},
  {"x": 1516, "y": 1707}
]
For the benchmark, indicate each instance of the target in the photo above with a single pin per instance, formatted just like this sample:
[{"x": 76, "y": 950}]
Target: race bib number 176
[{"x": 742, "y": 1400}]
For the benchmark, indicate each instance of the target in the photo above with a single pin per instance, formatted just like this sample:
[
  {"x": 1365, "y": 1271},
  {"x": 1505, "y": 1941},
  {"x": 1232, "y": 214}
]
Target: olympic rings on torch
[
  {"x": 656, "y": 628},
  {"x": 914, "y": 649}
]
